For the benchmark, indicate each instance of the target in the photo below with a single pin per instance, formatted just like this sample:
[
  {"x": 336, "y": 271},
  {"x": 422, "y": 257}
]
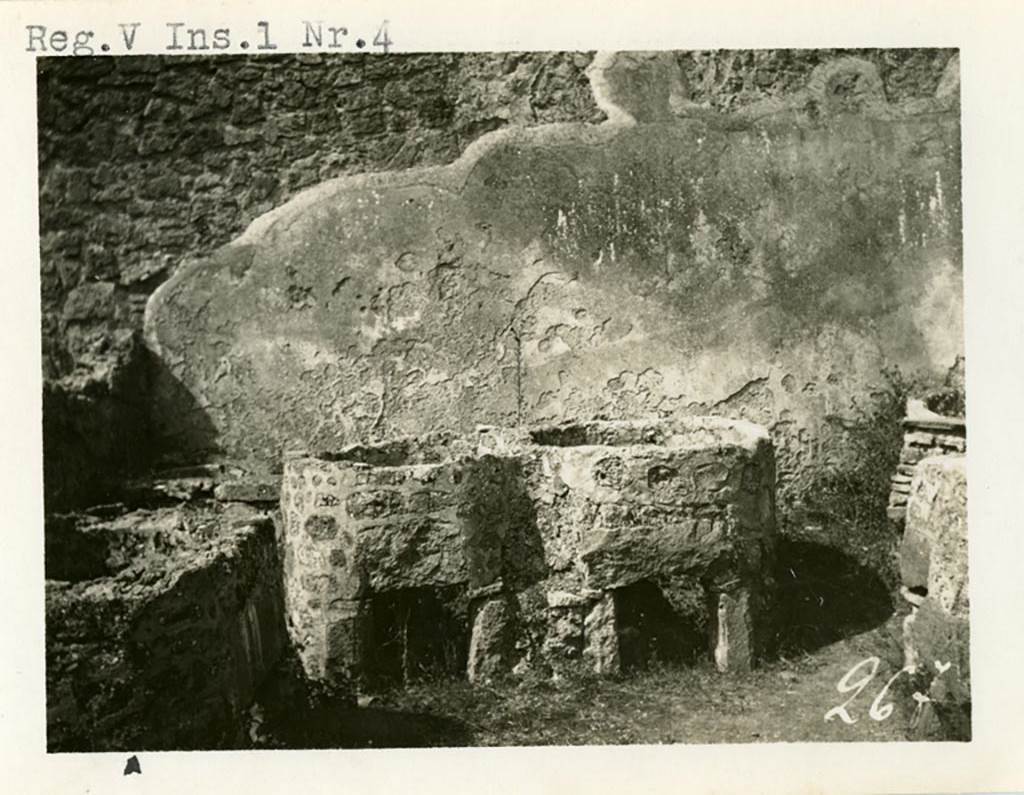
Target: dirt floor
[{"x": 785, "y": 700}]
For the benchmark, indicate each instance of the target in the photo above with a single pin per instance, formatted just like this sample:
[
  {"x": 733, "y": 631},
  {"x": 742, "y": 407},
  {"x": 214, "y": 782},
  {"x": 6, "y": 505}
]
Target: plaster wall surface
[
  {"x": 770, "y": 264},
  {"x": 148, "y": 162}
]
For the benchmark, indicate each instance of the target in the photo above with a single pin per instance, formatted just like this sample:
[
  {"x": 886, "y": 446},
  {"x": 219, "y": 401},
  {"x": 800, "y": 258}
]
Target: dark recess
[
  {"x": 651, "y": 632},
  {"x": 822, "y": 596}
]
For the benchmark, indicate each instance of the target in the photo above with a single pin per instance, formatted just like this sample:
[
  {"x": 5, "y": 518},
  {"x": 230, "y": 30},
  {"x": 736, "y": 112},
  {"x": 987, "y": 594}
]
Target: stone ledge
[{"x": 256, "y": 491}]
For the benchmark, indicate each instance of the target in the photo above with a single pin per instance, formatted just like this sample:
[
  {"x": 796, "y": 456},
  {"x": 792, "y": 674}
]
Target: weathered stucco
[
  {"x": 768, "y": 264},
  {"x": 147, "y": 162}
]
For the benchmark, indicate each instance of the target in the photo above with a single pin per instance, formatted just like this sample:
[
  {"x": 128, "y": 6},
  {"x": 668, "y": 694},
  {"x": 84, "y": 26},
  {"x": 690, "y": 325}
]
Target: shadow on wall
[
  {"x": 101, "y": 428},
  {"x": 95, "y": 430},
  {"x": 823, "y": 596},
  {"x": 182, "y": 431}
]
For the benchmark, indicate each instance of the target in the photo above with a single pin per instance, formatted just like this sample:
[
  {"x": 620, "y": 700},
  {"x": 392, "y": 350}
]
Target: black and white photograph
[
  {"x": 401, "y": 397},
  {"x": 503, "y": 399}
]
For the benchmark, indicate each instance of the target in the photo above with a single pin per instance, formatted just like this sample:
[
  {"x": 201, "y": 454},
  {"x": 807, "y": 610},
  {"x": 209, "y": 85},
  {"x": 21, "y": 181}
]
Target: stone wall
[
  {"x": 160, "y": 625},
  {"x": 147, "y": 162},
  {"x": 772, "y": 263}
]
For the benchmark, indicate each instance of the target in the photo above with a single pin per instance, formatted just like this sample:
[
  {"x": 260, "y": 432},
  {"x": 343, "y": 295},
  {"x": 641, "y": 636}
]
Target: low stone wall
[
  {"x": 556, "y": 544},
  {"x": 160, "y": 625},
  {"x": 933, "y": 565}
]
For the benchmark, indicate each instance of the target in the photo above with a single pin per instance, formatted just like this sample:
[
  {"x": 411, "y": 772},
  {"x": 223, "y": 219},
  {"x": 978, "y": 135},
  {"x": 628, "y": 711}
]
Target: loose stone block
[
  {"x": 601, "y": 637},
  {"x": 257, "y": 491},
  {"x": 734, "y": 633},
  {"x": 934, "y": 549},
  {"x": 919, "y": 439},
  {"x": 492, "y": 646},
  {"x": 954, "y": 444}
]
